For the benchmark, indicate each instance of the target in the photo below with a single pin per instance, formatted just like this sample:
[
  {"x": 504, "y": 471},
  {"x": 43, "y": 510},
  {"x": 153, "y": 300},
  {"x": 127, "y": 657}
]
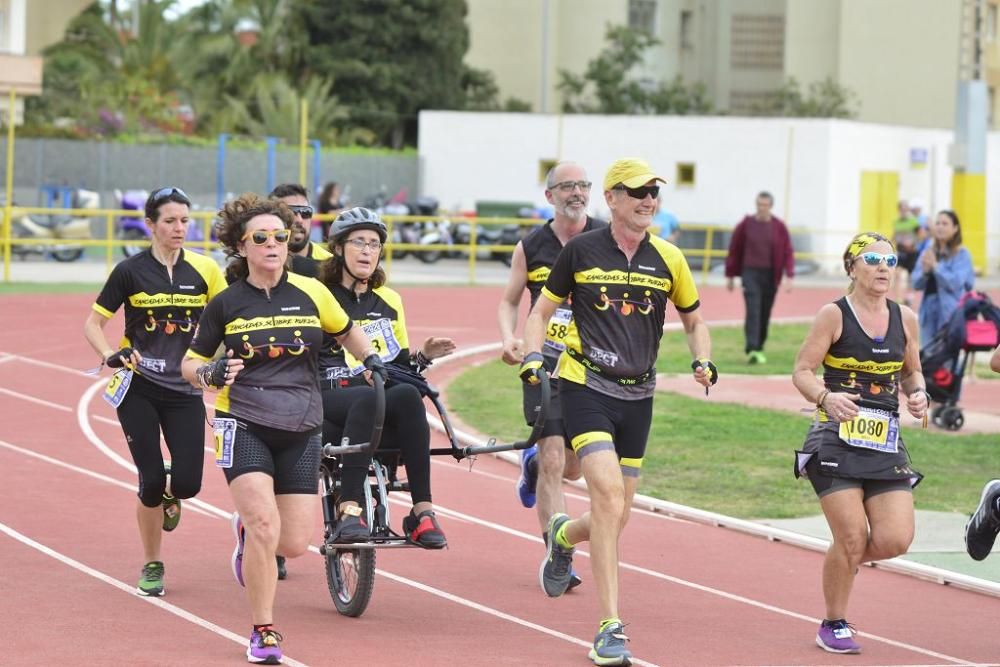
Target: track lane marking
[{"x": 128, "y": 588}]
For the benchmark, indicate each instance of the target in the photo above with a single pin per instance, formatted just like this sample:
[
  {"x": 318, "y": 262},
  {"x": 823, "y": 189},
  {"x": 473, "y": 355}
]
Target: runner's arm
[
  {"x": 913, "y": 384},
  {"x": 510, "y": 302},
  {"x": 534, "y": 326},
  {"x": 93, "y": 331},
  {"x": 824, "y": 331}
]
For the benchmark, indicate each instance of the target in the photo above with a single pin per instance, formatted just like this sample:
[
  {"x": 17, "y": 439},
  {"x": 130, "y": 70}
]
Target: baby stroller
[{"x": 974, "y": 327}]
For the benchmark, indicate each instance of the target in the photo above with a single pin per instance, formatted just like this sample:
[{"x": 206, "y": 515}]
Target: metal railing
[{"x": 703, "y": 253}]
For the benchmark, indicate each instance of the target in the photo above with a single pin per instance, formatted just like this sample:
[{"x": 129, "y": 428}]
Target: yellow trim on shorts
[
  {"x": 630, "y": 463},
  {"x": 589, "y": 438}
]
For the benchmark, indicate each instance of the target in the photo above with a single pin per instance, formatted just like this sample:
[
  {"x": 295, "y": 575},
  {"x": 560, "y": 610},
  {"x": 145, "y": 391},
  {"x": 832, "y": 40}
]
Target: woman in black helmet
[{"x": 355, "y": 278}]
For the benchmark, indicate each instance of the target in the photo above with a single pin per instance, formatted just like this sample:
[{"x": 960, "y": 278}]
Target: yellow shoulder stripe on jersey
[
  {"x": 143, "y": 300},
  {"x": 208, "y": 270},
  {"x": 683, "y": 291},
  {"x": 332, "y": 317},
  {"x": 852, "y": 364},
  {"x": 319, "y": 252},
  {"x": 552, "y": 297},
  {"x": 101, "y": 310}
]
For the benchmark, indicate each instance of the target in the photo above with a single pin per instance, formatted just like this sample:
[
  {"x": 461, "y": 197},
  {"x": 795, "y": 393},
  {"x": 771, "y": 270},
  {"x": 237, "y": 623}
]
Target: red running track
[{"x": 692, "y": 594}]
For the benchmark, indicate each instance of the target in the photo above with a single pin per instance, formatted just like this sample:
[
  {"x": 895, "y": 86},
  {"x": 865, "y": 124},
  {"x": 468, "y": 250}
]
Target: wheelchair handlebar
[
  {"x": 330, "y": 450},
  {"x": 536, "y": 429}
]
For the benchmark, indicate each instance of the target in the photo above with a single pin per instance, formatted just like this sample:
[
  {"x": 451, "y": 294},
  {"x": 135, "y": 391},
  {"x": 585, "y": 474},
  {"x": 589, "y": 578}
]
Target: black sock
[{"x": 545, "y": 538}]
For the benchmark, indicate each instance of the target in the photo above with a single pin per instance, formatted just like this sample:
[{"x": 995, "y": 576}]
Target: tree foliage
[
  {"x": 391, "y": 58},
  {"x": 608, "y": 84},
  {"x": 824, "y": 99}
]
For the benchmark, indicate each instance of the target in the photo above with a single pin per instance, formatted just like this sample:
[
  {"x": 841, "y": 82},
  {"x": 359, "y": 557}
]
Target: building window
[
  {"x": 642, "y": 16},
  {"x": 757, "y": 41},
  {"x": 685, "y": 174},
  {"x": 687, "y": 29}
]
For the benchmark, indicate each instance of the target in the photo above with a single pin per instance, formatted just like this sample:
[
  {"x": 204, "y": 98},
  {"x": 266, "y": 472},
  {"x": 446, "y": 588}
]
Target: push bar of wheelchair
[
  {"x": 536, "y": 429},
  {"x": 330, "y": 449}
]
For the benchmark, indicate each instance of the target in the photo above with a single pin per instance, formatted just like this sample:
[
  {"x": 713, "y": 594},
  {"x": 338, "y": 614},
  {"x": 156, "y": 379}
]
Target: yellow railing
[{"x": 706, "y": 252}]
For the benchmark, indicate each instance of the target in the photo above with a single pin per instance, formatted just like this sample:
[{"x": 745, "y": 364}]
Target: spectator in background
[
  {"x": 916, "y": 210},
  {"x": 670, "y": 229},
  {"x": 944, "y": 273},
  {"x": 760, "y": 253},
  {"x": 331, "y": 201},
  {"x": 905, "y": 236}
]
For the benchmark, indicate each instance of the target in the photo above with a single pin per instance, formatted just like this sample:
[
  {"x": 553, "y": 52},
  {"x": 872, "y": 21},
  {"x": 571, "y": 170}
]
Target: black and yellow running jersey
[
  {"x": 860, "y": 364},
  {"x": 161, "y": 312},
  {"x": 541, "y": 248},
  {"x": 619, "y": 307},
  {"x": 380, "y": 313},
  {"x": 318, "y": 252},
  {"x": 278, "y": 336}
]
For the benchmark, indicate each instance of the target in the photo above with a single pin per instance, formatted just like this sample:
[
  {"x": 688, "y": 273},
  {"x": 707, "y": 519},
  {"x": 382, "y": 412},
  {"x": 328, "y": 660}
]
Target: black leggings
[
  {"x": 146, "y": 410},
  {"x": 348, "y": 412}
]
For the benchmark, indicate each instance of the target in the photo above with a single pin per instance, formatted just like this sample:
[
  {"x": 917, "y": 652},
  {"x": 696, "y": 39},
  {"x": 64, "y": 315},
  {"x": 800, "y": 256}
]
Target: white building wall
[{"x": 812, "y": 167}]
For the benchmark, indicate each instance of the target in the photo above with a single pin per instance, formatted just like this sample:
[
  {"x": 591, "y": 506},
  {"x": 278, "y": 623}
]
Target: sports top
[
  {"x": 619, "y": 307},
  {"x": 380, "y": 313},
  {"x": 541, "y": 248},
  {"x": 860, "y": 364},
  {"x": 278, "y": 336},
  {"x": 161, "y": 312}
]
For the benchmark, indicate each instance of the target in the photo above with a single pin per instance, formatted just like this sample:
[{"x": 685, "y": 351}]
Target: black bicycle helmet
[{"x": 358, "y": 218}]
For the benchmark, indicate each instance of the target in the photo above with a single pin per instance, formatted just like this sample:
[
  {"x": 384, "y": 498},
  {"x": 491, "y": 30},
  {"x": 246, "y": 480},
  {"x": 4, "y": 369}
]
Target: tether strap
[{"x": 624, "y": 380}]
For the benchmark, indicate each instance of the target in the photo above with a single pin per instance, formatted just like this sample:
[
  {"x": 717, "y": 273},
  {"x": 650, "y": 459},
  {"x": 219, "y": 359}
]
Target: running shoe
[
  {"x": 609, "y": 646},
  {"x": 265, "y": 647},
  {"x": 350, "y": 529},
  {"x": 237, "y": 560},
  {"x": 282, "y": 570},
  {"x": 556, "y": 570},
  {"x": 423, "y": 530},
  {"x": 837, "y": 637},
  {"x": 983, "y": 526},
  {"x": 171, "y": 506},
  {"x": 528, "y": 480},
  {"x": 151, "y": 581}
]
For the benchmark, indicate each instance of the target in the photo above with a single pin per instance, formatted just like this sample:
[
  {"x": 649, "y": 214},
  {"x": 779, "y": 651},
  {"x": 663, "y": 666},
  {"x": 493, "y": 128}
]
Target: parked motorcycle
[
  {"x": 487, "y": 235},
  {"x": 133, "y": 227},
  {"x": 52, "y": 228}
]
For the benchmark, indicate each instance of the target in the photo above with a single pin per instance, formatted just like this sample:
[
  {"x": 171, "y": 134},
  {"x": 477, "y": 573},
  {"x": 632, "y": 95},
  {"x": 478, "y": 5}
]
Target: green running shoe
[
  {"x": 171, "y": 506},
  {"x": 151, "y": 581}
]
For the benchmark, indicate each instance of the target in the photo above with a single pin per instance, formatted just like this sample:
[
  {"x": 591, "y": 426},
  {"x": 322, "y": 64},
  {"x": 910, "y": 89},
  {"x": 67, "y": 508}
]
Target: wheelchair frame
[{"x": 350, "y": 567}]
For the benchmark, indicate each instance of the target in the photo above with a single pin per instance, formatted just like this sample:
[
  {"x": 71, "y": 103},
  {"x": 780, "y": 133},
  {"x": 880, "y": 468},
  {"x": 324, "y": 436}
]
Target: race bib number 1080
[{"x": 872, "y": 429}]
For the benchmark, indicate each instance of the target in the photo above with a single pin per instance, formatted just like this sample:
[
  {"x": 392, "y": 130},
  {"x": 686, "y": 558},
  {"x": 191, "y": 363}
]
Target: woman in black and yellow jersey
[
  {"x": 269, "y": 411},
  {"x": 163, "y": 290},
  {"x": 854, "y": 454},
  {"x": 357, "y": 281}
]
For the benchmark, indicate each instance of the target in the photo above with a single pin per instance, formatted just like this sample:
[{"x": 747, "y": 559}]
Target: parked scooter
[{"x": 52, "y": 228}]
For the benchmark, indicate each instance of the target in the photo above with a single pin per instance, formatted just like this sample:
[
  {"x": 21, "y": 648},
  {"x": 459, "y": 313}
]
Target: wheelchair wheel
[
  {"x": 350, "y": 576},
  {"x": 952, "y": 418}
]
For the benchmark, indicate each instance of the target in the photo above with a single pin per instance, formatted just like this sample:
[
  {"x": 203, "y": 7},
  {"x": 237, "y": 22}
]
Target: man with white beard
[{"x": 544, "y": 465}]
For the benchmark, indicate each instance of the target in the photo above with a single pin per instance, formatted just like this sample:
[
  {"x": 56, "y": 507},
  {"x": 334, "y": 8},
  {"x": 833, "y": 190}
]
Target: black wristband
[{"x": 114, "y": 360}]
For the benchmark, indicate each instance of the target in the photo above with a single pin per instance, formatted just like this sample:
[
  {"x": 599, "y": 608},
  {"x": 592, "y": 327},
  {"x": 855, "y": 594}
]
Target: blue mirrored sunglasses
[{"x": 875, "y": 258}]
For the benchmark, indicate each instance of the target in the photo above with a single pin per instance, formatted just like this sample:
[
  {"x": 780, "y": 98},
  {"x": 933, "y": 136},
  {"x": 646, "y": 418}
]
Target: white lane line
[
  {"x": 46, "y": 364},
  {"x": 32, "y": 399},
  {"x": 4, "y": 357},
  {"x": 130, "y": 589},
  {"x": 84, "y": 424},
  {"x": 471, "y": 604}
]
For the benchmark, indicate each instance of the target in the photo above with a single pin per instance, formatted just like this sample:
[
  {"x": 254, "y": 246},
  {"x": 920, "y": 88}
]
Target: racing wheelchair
[{"x": 350, "y": 566}]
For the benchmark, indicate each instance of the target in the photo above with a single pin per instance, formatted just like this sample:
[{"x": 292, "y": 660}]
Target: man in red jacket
[{"x": 760, "y": 253}]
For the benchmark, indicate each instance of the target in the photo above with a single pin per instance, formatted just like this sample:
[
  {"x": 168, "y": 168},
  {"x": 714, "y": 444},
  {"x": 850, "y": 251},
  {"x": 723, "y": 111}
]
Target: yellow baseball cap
[{"x": 631, "y": 172}]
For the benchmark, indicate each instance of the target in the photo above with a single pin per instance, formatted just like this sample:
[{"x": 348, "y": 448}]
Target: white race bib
[
  {"x": 872, "y": 429},
  {"x": 383, "y": 340},
  {"x": 558, "y": 329}
]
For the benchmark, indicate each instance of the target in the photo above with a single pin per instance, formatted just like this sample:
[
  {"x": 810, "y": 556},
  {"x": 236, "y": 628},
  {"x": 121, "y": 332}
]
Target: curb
[{"x": 897, "y": 565}]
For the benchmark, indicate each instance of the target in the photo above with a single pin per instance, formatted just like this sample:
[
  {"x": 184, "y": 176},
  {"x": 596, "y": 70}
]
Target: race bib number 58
[
  {"x": 558, "y": 329},
  {"x": 872, "y": 429}
]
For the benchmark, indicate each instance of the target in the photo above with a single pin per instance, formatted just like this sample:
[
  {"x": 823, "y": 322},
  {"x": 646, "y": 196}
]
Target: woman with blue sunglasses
[
  {"x": 943, "y": 273},
  {"x": 854, "y": 454}
]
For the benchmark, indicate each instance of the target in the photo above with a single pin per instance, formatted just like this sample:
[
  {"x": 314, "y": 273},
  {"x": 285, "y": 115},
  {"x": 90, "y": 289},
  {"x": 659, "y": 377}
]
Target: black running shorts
[{"x": 597, "y": 422}]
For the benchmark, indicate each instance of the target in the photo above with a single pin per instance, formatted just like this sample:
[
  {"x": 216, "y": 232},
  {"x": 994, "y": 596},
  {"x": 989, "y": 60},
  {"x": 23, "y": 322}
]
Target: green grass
[
  {"x": 783, "y": 345},
  {"x": 49, "y": 288},
  {"x": 732, "y": 459}
]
